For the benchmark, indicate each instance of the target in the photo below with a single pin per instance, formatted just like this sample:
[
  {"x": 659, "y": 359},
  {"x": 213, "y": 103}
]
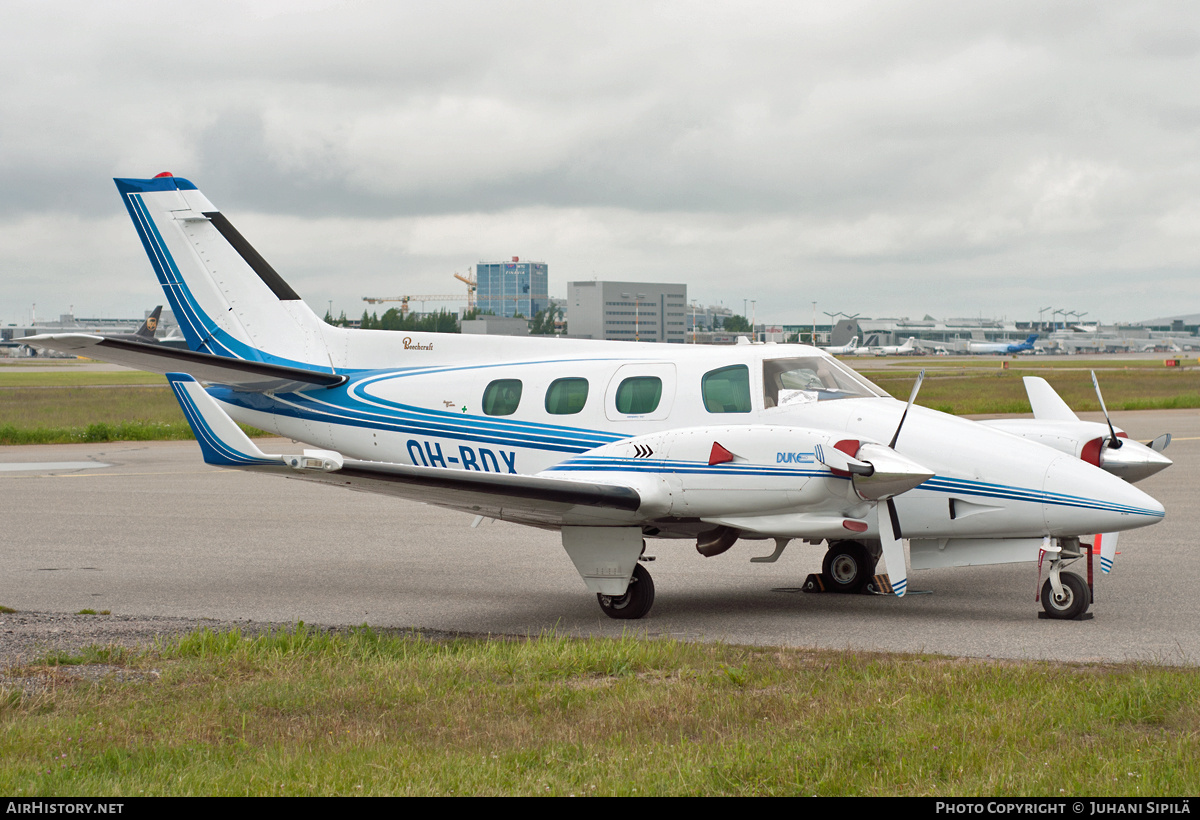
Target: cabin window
[
  {"x": 727, "y": 390},
  {"x": 566, "y": 396},
  {"x": 639, "y": 395},
  {"x": 807, "y": 379},
  {"x": 502, "y": 397}
]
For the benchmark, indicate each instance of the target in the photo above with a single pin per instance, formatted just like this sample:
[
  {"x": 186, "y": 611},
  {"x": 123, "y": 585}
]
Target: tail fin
[
  {"x": 226, "y": 298},
  {"x": 1046, "y": 403},
  {"x": 146, "y": 331}
]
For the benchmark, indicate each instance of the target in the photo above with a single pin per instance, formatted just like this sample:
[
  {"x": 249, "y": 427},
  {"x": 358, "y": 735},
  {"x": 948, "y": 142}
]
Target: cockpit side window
[
  {"x": 812, "y": 378},
  {"x": 727, "y": 390}
]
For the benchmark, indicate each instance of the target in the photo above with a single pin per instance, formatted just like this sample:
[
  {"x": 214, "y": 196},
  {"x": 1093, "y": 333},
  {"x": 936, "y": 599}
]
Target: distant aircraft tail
[
  {"x": 227, "y": 299},
  {"x": 146, "y": 331}
]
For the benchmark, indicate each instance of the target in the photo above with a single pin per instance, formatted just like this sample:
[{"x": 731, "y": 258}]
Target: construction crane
[
  {"x": 472, "y": 286},
  {"x": 440, "y": 297}
]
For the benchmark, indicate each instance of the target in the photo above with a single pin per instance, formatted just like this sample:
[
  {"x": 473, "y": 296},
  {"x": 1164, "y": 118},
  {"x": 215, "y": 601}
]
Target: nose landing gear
[{"x": 1065, "y": 596}]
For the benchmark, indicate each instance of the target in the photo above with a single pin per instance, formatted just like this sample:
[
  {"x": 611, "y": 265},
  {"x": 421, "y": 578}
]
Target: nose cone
[
  {"x": 1079, "y": 499},
  {"x": 1133, "y": 461}
]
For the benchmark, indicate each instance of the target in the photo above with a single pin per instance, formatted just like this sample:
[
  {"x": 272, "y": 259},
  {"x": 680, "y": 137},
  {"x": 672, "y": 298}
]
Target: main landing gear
[
  {"x": 636, "y": 601},
  {"x": 849, "y": 567}
]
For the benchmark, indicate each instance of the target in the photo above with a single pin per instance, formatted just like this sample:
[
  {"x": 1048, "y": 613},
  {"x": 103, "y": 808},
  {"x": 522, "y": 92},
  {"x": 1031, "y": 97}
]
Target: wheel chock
[
  {"x": 1083, "y": 616},
  {"x": 813, "y": 583},
  {"x": 881, "y": 586}
]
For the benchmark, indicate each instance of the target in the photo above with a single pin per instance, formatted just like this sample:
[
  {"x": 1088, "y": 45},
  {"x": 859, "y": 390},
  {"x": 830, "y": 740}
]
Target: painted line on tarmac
[
  {"x": 44, "y": 466},
  {"x": 123, "y": 475}
]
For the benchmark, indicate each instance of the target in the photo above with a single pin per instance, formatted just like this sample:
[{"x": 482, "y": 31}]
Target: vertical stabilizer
[
  {"x": 1046, "y": 403},
  {"x": 227, "y": 299}
]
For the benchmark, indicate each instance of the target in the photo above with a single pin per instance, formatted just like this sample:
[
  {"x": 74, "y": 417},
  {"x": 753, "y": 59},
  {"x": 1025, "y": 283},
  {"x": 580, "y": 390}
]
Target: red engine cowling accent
[
  {"x": 848, "y": 446},
  {"x": 1091, "y": 451}
]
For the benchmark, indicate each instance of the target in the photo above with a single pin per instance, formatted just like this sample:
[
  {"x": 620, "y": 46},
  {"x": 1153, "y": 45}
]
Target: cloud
[{"x": 907, "y": 156}]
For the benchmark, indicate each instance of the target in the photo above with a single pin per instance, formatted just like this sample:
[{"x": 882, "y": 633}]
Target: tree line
[{"x": 443, "y": 321}]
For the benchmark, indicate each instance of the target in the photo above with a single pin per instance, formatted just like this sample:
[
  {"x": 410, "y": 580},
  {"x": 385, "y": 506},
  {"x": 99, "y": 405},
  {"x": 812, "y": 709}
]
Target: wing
[
  {"x": 237, "y": 373},
  {"x": 535, "y": 500}
]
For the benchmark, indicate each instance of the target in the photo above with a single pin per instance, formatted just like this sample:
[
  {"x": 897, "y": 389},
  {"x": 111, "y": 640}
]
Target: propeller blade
[
  {"x": 1113, "y": 442},
  {"x": 1108, "y": 550},
  {"x": 912, "y": 398},
  {"x": 1161, "y": 443},
  {"x": 893, "y": 547}
]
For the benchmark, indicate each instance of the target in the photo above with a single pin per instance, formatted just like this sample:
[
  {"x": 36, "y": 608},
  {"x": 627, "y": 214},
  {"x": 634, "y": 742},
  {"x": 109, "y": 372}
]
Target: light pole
[{"x": 637, "y": 299}]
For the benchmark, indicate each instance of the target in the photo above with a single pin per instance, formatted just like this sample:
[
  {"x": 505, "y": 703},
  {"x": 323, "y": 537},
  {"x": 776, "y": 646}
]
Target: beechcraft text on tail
[{"x": 612, "y": 443}]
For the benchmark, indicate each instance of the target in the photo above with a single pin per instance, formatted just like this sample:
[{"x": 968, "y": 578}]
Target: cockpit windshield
[{"x": 812, "y": 378}]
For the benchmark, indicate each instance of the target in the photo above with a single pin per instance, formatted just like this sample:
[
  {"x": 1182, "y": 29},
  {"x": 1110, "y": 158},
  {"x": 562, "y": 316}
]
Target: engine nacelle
[{"x": 716, "y": 472}]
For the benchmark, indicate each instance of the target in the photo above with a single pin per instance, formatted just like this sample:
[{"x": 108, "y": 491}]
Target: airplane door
[{"x": 644, "y": 391}]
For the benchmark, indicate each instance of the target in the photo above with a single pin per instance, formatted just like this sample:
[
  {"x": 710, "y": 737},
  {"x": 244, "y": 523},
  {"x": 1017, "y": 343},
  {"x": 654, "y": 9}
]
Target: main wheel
[
  {"x": 636, "y": 601},
  {"x": 847, "y": 567},
  {"x": 1074, "y": 601}
]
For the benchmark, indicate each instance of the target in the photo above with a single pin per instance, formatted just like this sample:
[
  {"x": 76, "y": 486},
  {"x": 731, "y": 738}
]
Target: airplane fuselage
[{"x": 435, "y": 412}]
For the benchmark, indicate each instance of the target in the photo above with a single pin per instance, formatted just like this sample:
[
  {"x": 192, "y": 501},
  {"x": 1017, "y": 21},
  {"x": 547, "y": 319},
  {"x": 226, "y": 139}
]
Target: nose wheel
[
  {"x": 636, "y": 601},
  {"x": 1069, "y": 604},
  {"x": 1066, "y": 596}
]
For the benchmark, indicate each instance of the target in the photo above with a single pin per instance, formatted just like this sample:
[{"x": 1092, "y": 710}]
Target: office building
[
  {"x": 512, "y": 287},
  {"x": 628, "y": 311}
]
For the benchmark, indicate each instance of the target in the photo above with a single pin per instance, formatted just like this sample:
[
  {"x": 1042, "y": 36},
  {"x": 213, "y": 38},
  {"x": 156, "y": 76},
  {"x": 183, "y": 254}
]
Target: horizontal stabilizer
[
  {"x": 242, "y": 375},
  {"x": 221, "y": 440}
]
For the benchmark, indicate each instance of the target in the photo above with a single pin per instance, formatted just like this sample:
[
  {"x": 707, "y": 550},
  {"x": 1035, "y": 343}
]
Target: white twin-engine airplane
[{"x": 608, "y": 442}]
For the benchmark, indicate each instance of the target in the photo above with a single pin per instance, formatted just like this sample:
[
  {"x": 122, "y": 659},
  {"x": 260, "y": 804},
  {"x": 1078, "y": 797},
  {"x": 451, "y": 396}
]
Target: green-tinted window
[
  {"x": 566, "y": 396},
  {"x": 727, "y": 390},
  {"x": 502, "y": 397},
  {"x": 639, "y": 395}
]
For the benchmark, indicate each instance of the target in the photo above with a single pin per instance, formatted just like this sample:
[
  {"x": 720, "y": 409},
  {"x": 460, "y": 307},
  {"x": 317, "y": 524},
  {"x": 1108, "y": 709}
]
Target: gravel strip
[{"x": 28, "y": 637}]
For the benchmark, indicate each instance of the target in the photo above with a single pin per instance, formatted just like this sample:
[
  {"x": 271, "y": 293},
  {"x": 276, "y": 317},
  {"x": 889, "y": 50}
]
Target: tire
[
  {"x": 847, "y": 567},
  {"x": 636, "y": 601},
  {"x": 1076, "y": 597}
]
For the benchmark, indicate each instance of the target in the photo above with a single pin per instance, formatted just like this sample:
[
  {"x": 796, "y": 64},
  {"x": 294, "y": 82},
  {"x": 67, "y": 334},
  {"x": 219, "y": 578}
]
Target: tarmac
[{"x": 147, "y": 529}]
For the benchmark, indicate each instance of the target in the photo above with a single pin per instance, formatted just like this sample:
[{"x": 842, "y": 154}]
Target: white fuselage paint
[{"x": 987, "y": 483}]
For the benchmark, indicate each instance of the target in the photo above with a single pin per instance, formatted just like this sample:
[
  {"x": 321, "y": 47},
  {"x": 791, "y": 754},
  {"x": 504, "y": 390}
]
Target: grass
[
  {"x": 49, "y": 408},
  {"x": 62, "y": 415},
  {"x": 1020, "y": 363},
  {"x": 71, "y": 378},
  {"x": 966, "y": 392},
  {"x": 6, "y": 610},
  {"x": 305, "y": 712}
]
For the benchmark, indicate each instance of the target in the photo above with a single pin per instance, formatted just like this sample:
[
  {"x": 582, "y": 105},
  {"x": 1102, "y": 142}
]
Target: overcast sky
[{"x": 882, "y": 158}]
